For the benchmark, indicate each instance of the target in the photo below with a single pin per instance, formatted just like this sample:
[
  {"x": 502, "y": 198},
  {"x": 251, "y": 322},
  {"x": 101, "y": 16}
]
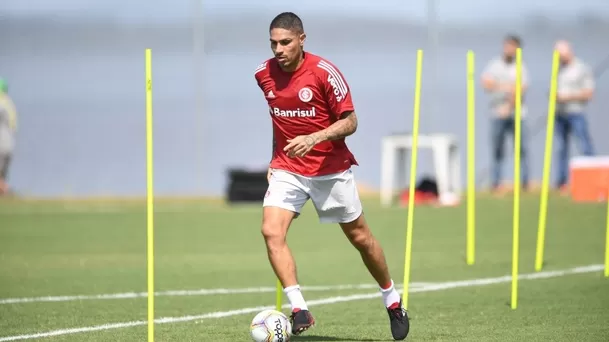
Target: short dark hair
[
  {"x": 514, "y": 39},
  {"x": 287, "y": 21}
]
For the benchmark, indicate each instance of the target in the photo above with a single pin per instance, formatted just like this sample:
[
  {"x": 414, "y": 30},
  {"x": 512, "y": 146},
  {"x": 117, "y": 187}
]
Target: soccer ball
[{"x": 271, "y": 326}]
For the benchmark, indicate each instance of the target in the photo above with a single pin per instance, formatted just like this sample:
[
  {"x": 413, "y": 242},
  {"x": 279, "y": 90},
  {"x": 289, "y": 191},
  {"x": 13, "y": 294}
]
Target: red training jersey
[{"x": 303, "y": 102}]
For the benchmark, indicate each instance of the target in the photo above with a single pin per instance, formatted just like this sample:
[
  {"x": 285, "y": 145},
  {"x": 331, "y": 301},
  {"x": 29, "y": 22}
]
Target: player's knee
[
  {"x": 358, "y": 234},
  {"x": 272, "y": 232},
  {"x": 275, "y": 223},
  {"x": 361, "y": 240}
]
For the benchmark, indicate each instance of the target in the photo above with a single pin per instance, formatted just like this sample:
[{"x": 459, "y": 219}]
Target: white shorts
[{"x": 334, "y": 196}]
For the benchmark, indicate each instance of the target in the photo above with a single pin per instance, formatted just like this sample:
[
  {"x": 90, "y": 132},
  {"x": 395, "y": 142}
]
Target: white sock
[
  {"x": 295, "y": 297},
  {"x": 390, "y": 295}
]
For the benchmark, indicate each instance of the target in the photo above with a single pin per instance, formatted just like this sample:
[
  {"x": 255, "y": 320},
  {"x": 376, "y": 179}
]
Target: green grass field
[{"x": 94, "y": 248}]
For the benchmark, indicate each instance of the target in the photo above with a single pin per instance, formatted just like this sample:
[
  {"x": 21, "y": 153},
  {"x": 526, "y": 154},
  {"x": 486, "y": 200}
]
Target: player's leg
[
  {"x": 283, "y": 201},
  {"x": 275, "y": 224},
  {"x": 498, "y": 131},
  {"x": 4, "y": 164},
  {"x": 579, "y": 124},
  {"x": 524, "y": 155},
  {"x": 372, "y": 254},
  {"x": 336, "y": 200},
  {"x": 562, "y": 130}
]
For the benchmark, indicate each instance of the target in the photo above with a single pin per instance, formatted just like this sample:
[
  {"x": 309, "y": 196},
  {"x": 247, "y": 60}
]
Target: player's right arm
[
  {"x": 489, "y": 79},
  {"x": 269, "y": 172},
  {"x": 489, "y": 83},
  {"x": 259, "y": 74},
  {"x": 587, "y": 85}
]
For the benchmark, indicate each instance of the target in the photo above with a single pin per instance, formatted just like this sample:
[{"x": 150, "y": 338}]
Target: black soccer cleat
[
  {"x": 301, "y": 320},
  {"x": 398, "y": 319}
]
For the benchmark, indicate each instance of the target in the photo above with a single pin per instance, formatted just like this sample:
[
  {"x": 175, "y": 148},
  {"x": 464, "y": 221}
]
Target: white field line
[
  {"x": 324, "y": 301},
  {"x": 199, "y": 292}
]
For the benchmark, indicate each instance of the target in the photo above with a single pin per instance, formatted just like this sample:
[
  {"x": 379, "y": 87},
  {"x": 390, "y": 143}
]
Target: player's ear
[{"x": 303, "y": 37}]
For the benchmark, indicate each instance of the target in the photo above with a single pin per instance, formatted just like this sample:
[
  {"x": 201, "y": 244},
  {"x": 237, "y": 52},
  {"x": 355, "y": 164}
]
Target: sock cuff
[
  {"x": 388, "y": 288},
  {"x": 291, "y": 288}
]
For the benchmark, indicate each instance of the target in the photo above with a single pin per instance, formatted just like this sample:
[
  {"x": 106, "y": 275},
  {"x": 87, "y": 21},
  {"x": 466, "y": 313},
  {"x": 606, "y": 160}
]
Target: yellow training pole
[
  {"x": 517, "y": 143},
  {"x": 471, "y": 172},
  {"x": 150, "y": 195},
  {"x": 278, "y": 296},
  {"x": 413, "y": 171},
  {"x": 607, "y": 242},
  {"x": 547, "y": 163}
]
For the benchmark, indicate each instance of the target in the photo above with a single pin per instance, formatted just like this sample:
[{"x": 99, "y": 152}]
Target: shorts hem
[
  {"x": 347, "y": 219},
  {"x": 313, "y": 175},
  {"x": 282, "y": 206}
]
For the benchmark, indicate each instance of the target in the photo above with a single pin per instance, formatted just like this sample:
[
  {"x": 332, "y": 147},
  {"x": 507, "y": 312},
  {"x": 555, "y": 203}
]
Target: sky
[{"x": 170, "y": 10}]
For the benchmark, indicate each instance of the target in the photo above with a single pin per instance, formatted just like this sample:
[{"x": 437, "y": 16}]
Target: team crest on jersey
[{"x": 305, "y": 94}]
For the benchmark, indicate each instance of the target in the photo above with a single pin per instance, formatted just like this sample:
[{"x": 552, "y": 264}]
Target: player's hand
[
  {"x": 300, "y": 145},
  {"x": 562, "y": 97},
  {"x": 504, "y": 110},
  {"x": 507, "y": 88}
]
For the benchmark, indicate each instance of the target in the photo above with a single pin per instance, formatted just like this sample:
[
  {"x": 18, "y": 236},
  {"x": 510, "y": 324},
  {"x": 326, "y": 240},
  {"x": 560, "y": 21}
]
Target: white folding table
[{"x": 446, "y": 158}]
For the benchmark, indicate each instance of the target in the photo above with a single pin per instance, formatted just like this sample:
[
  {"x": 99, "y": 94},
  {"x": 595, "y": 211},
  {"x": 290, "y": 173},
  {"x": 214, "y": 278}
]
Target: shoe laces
[
  {"x": 398, "y": 312},
  {"x": 294, "y": 313}
]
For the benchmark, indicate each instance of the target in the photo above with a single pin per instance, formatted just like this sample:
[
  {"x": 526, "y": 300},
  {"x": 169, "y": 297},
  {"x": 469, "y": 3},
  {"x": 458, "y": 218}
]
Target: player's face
[
  {"x": 287, "y": 47},
  {"x": 509, "y": 50},
  {"x": 564, "y": 52}
]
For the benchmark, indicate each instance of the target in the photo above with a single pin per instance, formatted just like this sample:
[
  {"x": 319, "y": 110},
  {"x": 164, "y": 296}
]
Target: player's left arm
[
  {"x": 343, "y": 127},
  {"x": 586, "y": 86},
  {"x": 337, "y": 94},
  {"x": 524, "y": 86},
  {"x": 585, "y": 91},
  {"x": 524, "y": 80}
]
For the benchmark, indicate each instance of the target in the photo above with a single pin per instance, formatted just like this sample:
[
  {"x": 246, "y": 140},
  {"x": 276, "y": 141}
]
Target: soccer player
[{"x": 312, "y": 112}]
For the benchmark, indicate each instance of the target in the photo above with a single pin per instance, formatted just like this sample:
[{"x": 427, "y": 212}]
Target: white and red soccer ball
[{"x": 271, "y": 326}]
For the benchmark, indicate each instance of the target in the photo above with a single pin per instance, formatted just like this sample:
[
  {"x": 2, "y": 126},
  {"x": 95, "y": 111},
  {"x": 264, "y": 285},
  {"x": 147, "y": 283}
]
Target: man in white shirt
[
  {"x": 575, "y": 85},
  {"x": 8, "y": 127},
  {"x": 499, "y": 79}
]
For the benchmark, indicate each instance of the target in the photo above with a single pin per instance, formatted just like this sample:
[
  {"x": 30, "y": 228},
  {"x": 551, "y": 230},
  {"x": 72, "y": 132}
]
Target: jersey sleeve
[
  {"x": 334, "y": 88},
  {"x": 491, "y": 69},
  {"x": 587, "y": 79},
  {"x": 259, "y": 72},
  {"x": 525, "y": 76}
]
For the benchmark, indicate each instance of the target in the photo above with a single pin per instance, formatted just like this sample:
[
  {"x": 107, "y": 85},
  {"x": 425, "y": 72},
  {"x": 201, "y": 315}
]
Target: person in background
[
  {"x": 8, "y": 128},
  {"x": 499, "y": 79},
  {"x": 575, "y": 88}
]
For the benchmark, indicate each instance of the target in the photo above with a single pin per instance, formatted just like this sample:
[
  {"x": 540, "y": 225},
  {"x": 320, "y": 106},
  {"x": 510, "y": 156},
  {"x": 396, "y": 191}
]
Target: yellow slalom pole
[
  {"x": 547, "y": 164},
  {"x": 278, "y": 296},
  {"x": 517, "y": 144},
  {"x": 413, "y": 171},
  {"x": 150, "y": 195},
  {"x": 471, "y": 172},
  {"x": 607, "y": 241}
]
